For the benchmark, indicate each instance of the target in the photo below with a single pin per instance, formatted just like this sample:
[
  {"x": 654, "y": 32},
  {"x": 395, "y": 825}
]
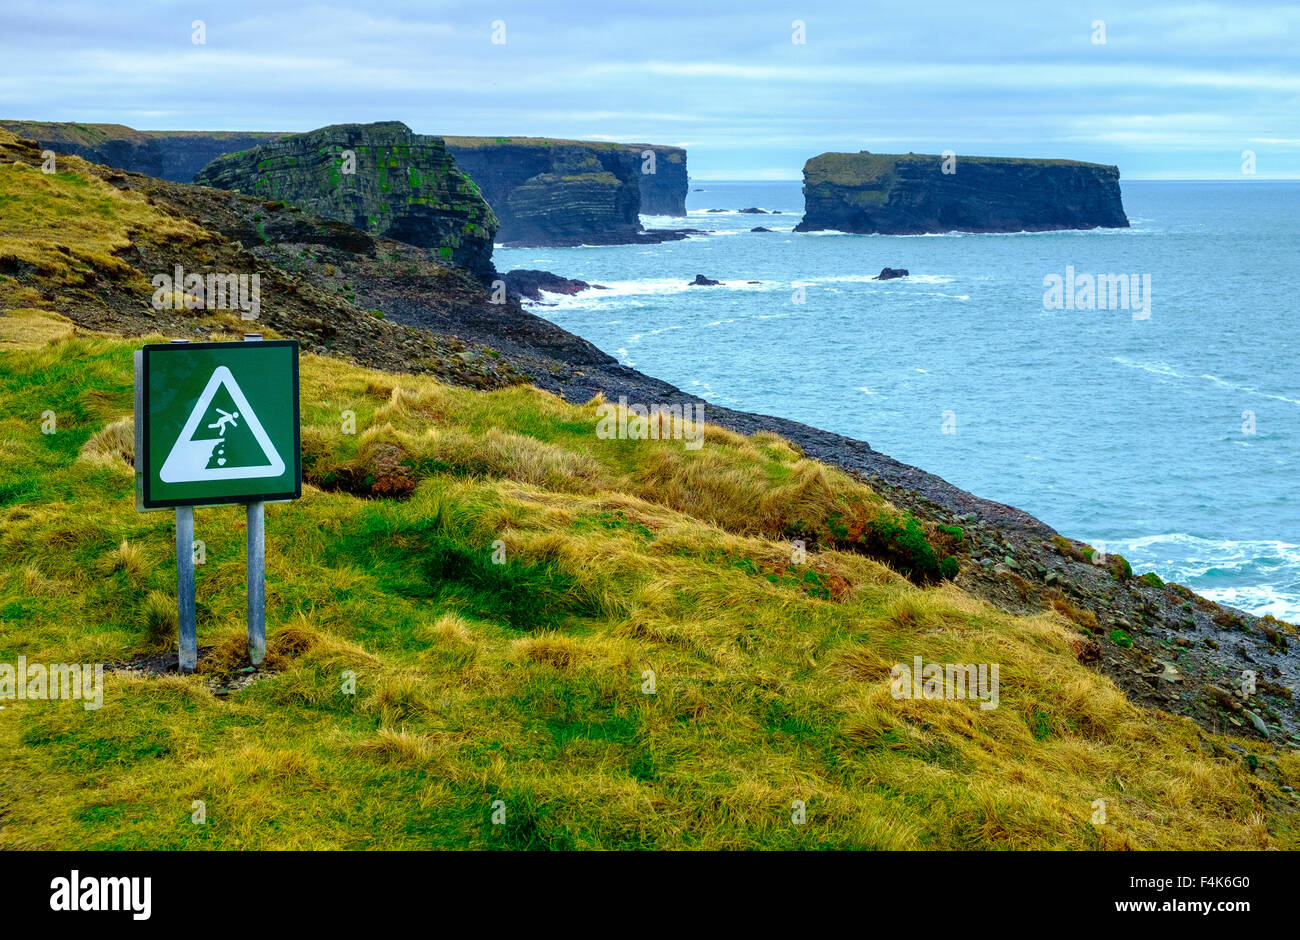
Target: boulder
[{"x": 528, "y": 282}]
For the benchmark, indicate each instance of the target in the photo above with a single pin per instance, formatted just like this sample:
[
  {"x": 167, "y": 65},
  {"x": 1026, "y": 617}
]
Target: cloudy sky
[{"x": 1177, "y": 89}]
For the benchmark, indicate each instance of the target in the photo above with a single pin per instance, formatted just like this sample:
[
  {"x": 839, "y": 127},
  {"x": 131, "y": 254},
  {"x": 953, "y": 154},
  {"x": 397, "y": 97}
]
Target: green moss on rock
[{"x": 406, "y": 186}]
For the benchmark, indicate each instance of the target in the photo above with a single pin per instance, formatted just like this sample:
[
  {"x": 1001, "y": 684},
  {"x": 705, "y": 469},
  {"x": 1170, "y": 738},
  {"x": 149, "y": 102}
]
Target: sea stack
[{"x": 915, "y": 194}]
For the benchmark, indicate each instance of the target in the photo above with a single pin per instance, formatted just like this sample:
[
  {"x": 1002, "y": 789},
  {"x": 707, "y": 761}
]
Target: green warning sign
[{"x": 217, "y": 423}]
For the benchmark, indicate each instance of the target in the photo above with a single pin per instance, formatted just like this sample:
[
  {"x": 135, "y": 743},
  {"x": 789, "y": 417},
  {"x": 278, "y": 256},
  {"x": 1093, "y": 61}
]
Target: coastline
[{"x": 378, "y": 302}]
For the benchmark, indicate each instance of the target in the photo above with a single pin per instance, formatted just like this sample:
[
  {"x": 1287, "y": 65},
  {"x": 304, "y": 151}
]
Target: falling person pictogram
[{"x": 227, "y": 417}]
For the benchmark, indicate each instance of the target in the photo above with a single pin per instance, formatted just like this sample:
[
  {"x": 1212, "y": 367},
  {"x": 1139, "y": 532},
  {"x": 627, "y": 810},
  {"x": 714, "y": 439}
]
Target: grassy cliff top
[
  {"x": 522, "y": 681},
  {"x": 95, "y": 134},
  {"x": 866, "y": 168},
  {"x": 468, "y": 143}
]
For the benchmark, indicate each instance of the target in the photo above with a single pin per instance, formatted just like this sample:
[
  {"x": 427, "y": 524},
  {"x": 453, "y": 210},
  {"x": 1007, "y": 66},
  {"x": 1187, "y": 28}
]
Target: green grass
[
  {"x": 522, "y": 681},
  {"x": 72, "y": 227},
  {"x": 877, "y": 171}
]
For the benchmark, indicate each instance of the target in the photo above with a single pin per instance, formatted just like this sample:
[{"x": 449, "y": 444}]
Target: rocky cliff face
[
  {"x": 567, "y": 178},
  {"x": 663, "y": 192},
  {"x": 909, "y": 194},
  {"x": 168, "y": 155},
  {"x": 403, "y": 185},
  {"x": 555, "y": 192}
]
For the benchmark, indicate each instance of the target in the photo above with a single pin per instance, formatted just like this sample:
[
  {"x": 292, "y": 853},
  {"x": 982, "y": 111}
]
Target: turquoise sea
[{"x": 1173, "y": 440}]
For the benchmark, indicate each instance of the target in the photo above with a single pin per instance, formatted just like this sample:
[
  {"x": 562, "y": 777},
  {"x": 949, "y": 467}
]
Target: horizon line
[{"x": 1131, "y": 179}]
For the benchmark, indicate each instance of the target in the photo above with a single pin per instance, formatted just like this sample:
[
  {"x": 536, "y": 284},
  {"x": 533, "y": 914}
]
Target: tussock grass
[
  {"x": 501, "y": 613},
  {"x": 25, "y": 327},
  {"x": 114, "y": 446}
]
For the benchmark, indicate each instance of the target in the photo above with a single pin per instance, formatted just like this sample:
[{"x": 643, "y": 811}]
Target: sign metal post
[
  {"x": 256, "y": 549},
  {"x": 189, "y": 653},
  {"x": 188, "y": 659}
]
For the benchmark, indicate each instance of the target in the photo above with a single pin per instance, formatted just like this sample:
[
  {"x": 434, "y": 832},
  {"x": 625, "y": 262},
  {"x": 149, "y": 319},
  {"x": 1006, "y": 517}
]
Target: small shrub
[
  {"x": 1274, "y": 637},
  {"x": 1120, "y": 638},
  {"x": 902, "y": 545},
  {"x": 1086, "y": 619},
  {"x": 1152, "y": 579},
  {"x": 1228, "y": 621},
  {"x": 1068, "y": 549}
]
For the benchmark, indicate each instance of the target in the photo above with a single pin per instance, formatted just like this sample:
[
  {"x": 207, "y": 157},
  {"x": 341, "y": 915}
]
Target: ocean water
[{"x": 1172, "y": 439}]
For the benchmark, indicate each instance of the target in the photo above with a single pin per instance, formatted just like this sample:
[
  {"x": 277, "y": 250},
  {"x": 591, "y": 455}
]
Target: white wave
[
  {"x": 1059, "y": 231},
  {"x": 898, "y": 281},
  {"x": 1259, "y": 600},
  {"x": 1158, "y": 368},
  {"x": 637, "y": 337},
  {"x": 652, "y": 287},
  {"x": 1165, "y": 369},
  {"x": 1205, "y": 564},
  {"x": 1220, "y": 550},
  {"x": 932, "y": 293}
]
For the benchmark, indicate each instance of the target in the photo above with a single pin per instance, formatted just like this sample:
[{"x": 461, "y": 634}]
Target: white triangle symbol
[{"x": 188, "y": 460}]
